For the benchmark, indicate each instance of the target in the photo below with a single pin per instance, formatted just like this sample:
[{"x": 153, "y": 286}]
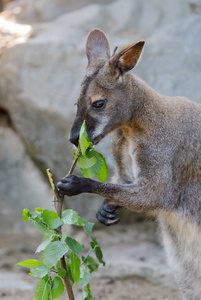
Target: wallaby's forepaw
[
  {"x": 70, "y": 185},
  {"x": 107, "y": 215}
]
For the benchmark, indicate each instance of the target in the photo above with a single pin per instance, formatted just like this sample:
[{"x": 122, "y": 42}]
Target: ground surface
[{"x": 136, "y": 267}]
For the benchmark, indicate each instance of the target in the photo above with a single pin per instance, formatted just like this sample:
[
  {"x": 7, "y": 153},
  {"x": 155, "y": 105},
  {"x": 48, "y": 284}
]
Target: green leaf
[
  {"x": 99, "y": 255},
  {"x": 91, "y": 264},
  {"x": 88, "y": 227},
  {"x": 61, "y": 272},
  {"x": 38, "y": 210},
  {"x": 101, "y": 170},
  {"x": 53, "y": 252},
  {"x": 85, "y": 277},
  {"x": 89, "y": 297},
  {"x": 38, "y": 223},
  {"x": 30, "y": 263},
  {"x": 93, "y": 245},
  {"x": 84, "y": 162},
  {"x": 86, "y": 292},
  {"x": 103, "y": 173},
  {"x": 51, "y": 218},
  {"x": 26, "y": 214},
  {"x": 71, "y": 217},
  {"x": 57, "y": 287},
  {"x": 43, "y": 290},
  {"x": 91, "y": 162},
  {"x": 95, "y": 169},
  {"x": 33, "y": 215},
  {"x": 75, "y": 266},
  {"x": 89, "y": 173},
  {"x": 46, "y": 241},
  {"x": 74, "y": 245},
  {"x": 39, "y": 272},
  {"x": 84, "y": 141}
]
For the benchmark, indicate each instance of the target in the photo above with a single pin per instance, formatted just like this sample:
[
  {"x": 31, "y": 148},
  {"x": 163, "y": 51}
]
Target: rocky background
[{"x": 42, "y": 63}]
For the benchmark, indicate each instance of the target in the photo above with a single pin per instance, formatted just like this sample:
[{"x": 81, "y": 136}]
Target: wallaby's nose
[{"x": 74, "y": 139}]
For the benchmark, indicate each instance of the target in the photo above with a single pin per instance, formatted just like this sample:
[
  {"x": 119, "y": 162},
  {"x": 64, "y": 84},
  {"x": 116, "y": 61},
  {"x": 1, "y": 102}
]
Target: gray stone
[
  {"x": 40, "y": 78},
  {"x": 138, "y": 259},
  {"x": 21, "y": 183},
  {"x": 46, "y": 10},
  {"x": 133, "y": 251},
  {"x": 171, "y": 65},
  {"x": 13, "y": 282}
]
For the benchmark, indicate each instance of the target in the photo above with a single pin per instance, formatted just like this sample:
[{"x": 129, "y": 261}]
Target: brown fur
[{"x": 157, "y": 148}]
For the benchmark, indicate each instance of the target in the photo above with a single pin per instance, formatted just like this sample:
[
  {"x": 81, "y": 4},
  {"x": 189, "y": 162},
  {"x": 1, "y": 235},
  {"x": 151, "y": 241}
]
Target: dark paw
[
  {"x": 69, "y": 185},
  {"x": 107, "y": 215}
]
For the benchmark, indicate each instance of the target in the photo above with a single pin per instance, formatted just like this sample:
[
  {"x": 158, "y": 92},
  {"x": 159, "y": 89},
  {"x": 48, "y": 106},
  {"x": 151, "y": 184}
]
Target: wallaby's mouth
[{"x": 97, "y": 139}]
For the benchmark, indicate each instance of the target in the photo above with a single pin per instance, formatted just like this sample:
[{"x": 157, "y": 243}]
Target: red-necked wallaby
[{"x": 156, "y": 145}]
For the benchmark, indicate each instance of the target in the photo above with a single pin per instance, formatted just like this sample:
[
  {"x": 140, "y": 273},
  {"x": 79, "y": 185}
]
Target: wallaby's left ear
[
  {"x": 128, "y": 57},
  {"x": 97, "y": 45}
]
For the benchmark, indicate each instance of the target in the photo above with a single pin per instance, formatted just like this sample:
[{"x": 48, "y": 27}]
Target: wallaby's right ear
[
  {"x": 127, "y": 58},
  {"x": 97, "y": 45}
]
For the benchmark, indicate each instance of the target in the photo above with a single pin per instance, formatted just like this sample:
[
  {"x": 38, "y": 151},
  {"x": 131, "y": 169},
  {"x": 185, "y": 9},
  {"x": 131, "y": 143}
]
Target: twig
[
  {"x": 74, "y": 163},
  {"x": 86, "y": 258},
  {"x": 58, "y": 199},
  {"x": 59, "y": 202}
]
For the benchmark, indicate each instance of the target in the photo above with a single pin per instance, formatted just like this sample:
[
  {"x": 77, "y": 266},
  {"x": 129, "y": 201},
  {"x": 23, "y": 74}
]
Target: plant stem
[
  {"x": 74, "y": 163},
  {"x": 86, "y": 258},
  {"x": 58, "y": 199},
  {"x": 66, "y": 280}
]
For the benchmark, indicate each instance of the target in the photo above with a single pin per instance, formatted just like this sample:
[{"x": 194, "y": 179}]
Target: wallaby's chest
[
  {"x": 129, "y": 160},
  {"x": 132, "y": 150}
]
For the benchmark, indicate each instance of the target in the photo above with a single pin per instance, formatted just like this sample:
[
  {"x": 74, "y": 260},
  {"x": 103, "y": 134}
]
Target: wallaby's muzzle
[{"x": 74, "y": 138}]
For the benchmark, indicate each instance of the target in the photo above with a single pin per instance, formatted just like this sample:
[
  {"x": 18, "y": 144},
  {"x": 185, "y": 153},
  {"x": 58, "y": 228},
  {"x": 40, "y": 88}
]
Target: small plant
[{"x": 63, "y": 263}]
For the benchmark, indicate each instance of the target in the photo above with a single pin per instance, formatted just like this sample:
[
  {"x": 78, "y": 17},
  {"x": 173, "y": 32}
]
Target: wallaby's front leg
[
  {"x": 107, "y": 212},
  {"x": 146, "y": 195}
]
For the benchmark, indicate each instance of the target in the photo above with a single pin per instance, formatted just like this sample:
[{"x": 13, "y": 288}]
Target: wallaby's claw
[
  {"x": 106, "y": 215},
  {"x": 112, "y": 222},
  {"x": 107, "y": 208}
]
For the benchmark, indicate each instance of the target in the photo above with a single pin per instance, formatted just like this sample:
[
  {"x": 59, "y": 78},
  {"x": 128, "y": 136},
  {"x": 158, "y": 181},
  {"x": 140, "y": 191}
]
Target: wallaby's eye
[{"x": 99, "y": 104}]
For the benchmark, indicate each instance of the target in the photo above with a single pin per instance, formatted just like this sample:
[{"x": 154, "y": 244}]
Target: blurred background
[{"x": 42, "y": 64}]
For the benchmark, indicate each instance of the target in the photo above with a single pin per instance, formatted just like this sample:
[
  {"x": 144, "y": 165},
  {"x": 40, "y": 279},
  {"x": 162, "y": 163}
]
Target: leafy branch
[{"x": 54, "y": 247}]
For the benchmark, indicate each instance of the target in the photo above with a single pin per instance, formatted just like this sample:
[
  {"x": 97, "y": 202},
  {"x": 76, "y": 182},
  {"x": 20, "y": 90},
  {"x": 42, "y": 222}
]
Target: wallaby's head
[{"x": 106, "y": 89}]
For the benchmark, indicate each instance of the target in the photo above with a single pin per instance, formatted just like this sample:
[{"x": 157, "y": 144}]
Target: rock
[
  {"x": 133, "y": 250},
  {"x": 46, "y": 10},
  {"x": 40, "y": 78},
  {"x": 21, "y": 183},
  {"x": 140, "y": 259},
  {"x": 171, "y": 65},
  {"x": 13, "y": 281}
]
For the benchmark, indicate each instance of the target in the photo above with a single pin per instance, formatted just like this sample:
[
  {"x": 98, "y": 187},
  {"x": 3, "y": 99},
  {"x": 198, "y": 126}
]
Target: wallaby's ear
[
  {"x": 97, "y": 45},
  {"x": 128, "y": 57}
]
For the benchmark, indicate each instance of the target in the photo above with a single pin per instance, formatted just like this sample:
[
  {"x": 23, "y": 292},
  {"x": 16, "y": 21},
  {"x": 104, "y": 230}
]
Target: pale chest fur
[
  {"x": 132, "y": 150},
  {"x": 129, "y": 158}
]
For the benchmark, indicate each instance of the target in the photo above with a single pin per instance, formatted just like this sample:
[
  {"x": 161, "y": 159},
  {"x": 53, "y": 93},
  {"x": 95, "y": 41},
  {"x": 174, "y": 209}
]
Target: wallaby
[{"x": 156, "y": 146}]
